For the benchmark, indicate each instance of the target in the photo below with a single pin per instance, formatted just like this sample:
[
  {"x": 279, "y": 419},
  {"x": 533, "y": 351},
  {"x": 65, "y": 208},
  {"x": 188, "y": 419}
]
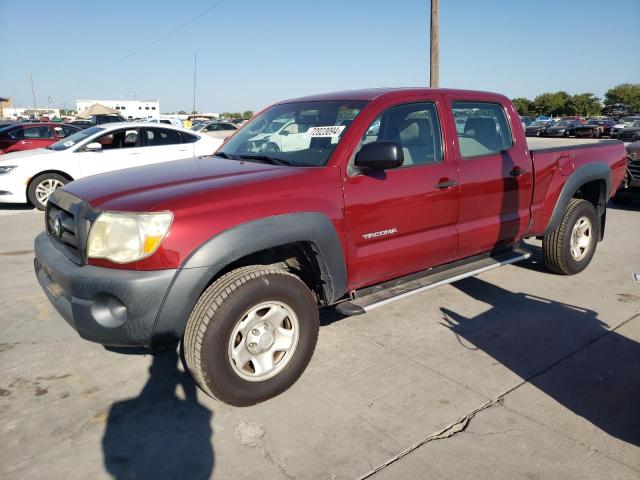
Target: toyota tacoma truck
[{"x": 233, "y": 254}]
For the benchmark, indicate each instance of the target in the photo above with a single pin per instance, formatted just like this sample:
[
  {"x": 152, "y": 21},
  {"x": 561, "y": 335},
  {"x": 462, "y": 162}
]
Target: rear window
[{"x": 486, "y": 130}]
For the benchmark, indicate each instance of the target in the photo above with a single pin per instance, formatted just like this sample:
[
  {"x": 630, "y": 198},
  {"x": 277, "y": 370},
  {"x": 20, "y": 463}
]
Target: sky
[{"x": 251, "y": 53}]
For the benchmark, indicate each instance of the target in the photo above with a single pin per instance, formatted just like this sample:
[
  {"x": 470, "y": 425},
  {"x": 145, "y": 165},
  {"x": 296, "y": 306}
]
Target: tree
[
  {"x": 247, "y": 115},
  {"x": 584, "y": 104},
  {"x": 552, "y": 103},
  {"x": 627, "y": 93},
  {"x": 182, "y": 112},
  {"x": 524, "y": 106}
]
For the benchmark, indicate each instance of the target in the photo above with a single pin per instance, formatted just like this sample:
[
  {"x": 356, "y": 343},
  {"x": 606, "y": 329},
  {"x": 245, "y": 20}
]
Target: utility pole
[
  {"x": 434, "y": 72},
  {"x": 195, "y": 65},
  {"x": 33, "y": 91}
]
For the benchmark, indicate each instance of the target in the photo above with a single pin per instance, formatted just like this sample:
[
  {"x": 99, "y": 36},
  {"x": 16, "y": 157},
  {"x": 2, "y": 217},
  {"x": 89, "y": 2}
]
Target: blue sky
[{"x": 252, "y": 52}]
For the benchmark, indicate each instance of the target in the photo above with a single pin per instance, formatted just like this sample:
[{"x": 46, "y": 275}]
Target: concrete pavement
[{"x": 516, "y": 373}]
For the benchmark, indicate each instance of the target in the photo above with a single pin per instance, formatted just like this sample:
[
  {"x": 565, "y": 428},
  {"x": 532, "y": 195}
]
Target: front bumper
[
  {"x": 11, "y": 191},
  {"x": 108, "y": 306}
]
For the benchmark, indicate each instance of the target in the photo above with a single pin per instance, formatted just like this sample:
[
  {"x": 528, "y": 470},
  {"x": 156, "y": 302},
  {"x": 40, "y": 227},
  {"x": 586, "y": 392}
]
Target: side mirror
[
  {"x": 93, "y": 147},
  {"x": 284, "y": 132},
  {"x": 380, "y": 156}
]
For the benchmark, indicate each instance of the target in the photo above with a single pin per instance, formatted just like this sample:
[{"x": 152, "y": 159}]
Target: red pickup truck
[{"x": 351, "y": 199}]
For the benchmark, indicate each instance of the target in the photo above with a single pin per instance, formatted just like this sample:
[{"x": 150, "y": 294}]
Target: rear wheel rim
[
  {"x": 264, "y": 341},
  {"x": 45, "y": 188},
  {"x": 581, "y": 237}
]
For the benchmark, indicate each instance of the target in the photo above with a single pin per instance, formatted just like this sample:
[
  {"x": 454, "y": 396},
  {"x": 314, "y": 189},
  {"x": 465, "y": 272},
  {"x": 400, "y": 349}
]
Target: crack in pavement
[{"x": 461, "y": 424}]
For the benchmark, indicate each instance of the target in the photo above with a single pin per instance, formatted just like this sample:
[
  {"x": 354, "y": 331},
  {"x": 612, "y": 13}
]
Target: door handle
[
  {"x": 445, "y": 183},
  {"x": 135, "y": 153},
  {"x": 23, "y": 142},
  {"x": 517, "y": 171}
]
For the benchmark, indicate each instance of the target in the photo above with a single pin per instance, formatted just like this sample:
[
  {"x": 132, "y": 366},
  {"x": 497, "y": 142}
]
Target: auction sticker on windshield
[{"x": 325, "y": 132}]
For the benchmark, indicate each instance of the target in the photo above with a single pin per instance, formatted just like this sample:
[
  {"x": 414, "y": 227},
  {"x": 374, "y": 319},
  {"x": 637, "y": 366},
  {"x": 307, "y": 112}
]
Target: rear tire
[
  {"x": 41, "y": 188},
  {"x": 570, "y": 247},
  {"x": 251, "y": 334}
]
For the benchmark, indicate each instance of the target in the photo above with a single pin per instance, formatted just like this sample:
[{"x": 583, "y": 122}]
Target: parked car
[
  {"x": 27, "y": 136},
  {"x": 216, "y": 129},
  {"x": 536, "y": 129},
  {"x": 33, "y": 175},
  {"x": 595, "y": 128},
  {"x": 617, "y": 110},
  {"x": 622, "y": 123},
  {"x": 98, "y": 120},
  {"x": 166, "y": 120},
  {"x": 526, "y": 121},
  {"x": 288, "y": 134},
  {"x": 234, "y": 255},
  {"x": 576, "y": 118},
  {"x": 564, "y": 128},
  {"x": 629, "y": 132},
  {"x": 630, "y": 187}
]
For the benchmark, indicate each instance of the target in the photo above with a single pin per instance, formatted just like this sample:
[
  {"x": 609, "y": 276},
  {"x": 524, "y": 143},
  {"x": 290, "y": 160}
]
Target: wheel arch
[
  {"x": 58, "y": 172},
  {"x": 32, "y": 179},
  {"x": 591, "y": 182},
  {"x": 309, "y": 237}
]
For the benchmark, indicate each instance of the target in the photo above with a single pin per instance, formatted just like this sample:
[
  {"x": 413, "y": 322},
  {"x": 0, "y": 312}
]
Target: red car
[
  {"x": 370, "y": 196},
  {"x": 27, "y": 136}
]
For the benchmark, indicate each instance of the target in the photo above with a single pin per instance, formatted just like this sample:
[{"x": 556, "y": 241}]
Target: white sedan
[{"x": 33, "y": 175}]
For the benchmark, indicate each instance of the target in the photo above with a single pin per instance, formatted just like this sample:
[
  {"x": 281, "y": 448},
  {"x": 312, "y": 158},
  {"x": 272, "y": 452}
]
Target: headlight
[
  {"x": 6, "y": 168},
  {"x": 127, "y": 237}
]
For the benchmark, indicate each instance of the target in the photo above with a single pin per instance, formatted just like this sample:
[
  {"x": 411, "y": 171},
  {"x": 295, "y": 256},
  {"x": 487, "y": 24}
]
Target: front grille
[
  {"x": 68, "y": 221},
  {"x": 634, "y": 169},
  {"x": 626, "y": 136}
]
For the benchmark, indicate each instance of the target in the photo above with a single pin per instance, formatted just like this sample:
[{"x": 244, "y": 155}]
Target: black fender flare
[
  {"x": 585, "y": 174},
  {"x": 242, "y": 240}
]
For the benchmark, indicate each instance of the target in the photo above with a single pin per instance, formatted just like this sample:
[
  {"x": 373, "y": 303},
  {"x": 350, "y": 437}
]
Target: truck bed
[
  {"x": 554, "y": 160},
  {"x": 550, "y": 144}
]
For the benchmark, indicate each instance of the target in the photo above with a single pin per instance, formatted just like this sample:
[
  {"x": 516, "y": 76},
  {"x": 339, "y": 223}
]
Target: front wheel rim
[
  {"x": 263, "y": 341},
  {"x": 46, "y": 188},
  {"x": 581, "y": 237}
]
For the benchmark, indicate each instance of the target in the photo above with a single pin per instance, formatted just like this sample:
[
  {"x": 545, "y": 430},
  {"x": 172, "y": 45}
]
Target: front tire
[
  {"x": 41, "y": 188},
  {"x": 570, "y": 247},
  {"x": 251, "y": 334}
]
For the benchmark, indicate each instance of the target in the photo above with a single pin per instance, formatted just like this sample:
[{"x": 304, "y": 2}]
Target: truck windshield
[{"x": 296, "y": 134}]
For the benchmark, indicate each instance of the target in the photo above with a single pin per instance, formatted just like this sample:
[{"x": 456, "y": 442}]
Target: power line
[{"x": 163, "y": 37}]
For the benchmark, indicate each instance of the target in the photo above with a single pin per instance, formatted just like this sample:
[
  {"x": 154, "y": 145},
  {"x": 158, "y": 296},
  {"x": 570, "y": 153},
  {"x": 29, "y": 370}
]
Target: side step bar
[{"x": 414, "y": 285}]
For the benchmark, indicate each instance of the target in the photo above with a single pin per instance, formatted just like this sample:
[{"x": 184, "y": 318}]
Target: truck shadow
[
  {"x": 160, "y": 434},
  {"x": 563, "y": 350}
]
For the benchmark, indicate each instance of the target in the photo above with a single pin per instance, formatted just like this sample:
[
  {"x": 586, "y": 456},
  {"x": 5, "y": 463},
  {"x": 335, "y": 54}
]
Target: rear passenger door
[
  {"x": 402, "y": 220},
  {"x": 495, "y": 176},
  {"x": 162, "y": 145}
]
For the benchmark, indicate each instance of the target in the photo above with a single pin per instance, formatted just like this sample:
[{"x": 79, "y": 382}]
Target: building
[
  {"x": 16, "y": 113},
  {"x": 5, "y": 102},
  {"x": 127, "y": 108}
]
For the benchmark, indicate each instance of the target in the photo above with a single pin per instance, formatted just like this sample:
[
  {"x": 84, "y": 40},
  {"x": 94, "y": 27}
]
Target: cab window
[
  {"x": 414, "y": 126},
  {"x": 485, "y": 130}
]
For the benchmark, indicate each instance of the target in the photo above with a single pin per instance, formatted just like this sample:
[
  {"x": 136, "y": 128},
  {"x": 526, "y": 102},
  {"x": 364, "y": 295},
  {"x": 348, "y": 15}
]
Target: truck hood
[{"x": 143, "y": 188}]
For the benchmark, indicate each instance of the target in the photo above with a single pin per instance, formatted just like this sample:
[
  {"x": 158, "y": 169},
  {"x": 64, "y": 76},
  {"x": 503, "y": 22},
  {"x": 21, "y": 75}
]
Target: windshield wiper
[
  {"x": 267, "y": 159},
  {"x": 224, "y": 155}
]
